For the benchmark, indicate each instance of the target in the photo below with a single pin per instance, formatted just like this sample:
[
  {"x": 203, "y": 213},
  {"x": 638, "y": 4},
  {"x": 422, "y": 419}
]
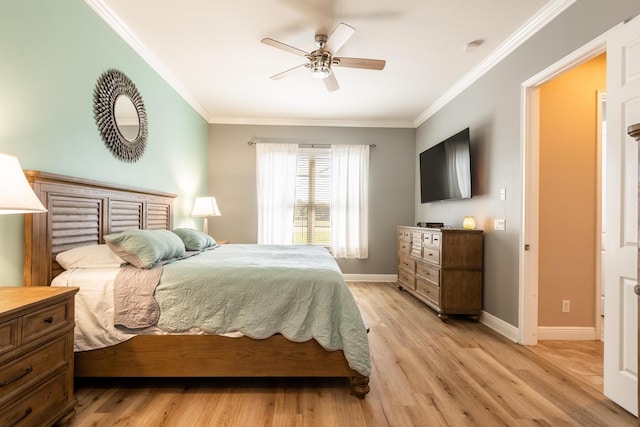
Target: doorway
[
  {"x": 623, "y": 110},
  {"x": 546, "y": 312}
]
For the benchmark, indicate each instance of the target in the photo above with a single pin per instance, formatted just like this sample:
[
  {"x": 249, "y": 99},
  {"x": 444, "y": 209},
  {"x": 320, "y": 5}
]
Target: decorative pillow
[
  {"x": 195, "y": 240},
  {"x": 145, "y": 248},
  {"x": 93, "y": 256}
]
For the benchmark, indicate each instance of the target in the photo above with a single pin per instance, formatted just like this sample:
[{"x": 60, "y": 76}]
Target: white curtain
[
  {"x": 276, "y": 184},
  {"x": 350, "y": 201}
]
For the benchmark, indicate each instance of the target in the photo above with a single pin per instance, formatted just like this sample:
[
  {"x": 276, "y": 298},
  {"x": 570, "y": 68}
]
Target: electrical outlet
[
  {"x": 499, "y": 224},
  {"x": 566, "y": 306}
]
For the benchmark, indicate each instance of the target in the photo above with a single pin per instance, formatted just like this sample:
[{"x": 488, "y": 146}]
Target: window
[
  {"x": 312, "y": 217},
  {"x": 320, "y": 193}
]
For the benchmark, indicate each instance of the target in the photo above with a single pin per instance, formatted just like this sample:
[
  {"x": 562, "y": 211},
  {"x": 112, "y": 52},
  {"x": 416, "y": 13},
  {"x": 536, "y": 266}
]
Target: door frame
[{"x": 530, "y": 165}]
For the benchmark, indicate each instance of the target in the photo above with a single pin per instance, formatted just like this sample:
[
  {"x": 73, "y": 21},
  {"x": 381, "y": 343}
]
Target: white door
[{"x": 623, "y": 109}]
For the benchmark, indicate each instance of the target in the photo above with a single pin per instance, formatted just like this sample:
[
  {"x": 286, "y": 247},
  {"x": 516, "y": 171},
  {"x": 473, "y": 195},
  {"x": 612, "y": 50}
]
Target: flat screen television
[{"x": 445, "y": 169}]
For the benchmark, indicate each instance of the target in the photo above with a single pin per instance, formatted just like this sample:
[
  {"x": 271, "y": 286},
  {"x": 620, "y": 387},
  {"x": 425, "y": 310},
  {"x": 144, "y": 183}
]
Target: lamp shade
[
  {"x": 469, "y": 223},
  {"x": 16, "y": 195},
  {"x": 206, "y": 206}
]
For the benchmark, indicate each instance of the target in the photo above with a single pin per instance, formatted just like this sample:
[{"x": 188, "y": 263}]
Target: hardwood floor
[{"x": 425, "y": 373}]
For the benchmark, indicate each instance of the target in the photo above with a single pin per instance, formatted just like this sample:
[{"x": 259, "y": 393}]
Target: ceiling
[{"x": 210, "y": 51}]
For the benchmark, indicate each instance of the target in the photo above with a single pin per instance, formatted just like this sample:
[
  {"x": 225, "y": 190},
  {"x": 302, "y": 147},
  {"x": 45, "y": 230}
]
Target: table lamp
[
  {"x": 16, "y": 195},
  {"x": 206, "y": 207}
]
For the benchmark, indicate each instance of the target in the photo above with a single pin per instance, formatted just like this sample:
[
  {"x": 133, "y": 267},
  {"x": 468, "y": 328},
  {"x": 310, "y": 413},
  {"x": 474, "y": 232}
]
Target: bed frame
[{"x": 81, "y": 212}]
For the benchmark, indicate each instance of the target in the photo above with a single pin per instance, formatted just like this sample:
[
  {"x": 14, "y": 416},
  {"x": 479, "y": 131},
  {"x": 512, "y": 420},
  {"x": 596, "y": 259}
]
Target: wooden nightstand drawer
[
  {"x": 32, "y": 365},
  {"x": 429, "y": 273},
  {"x": 38, "y": 409},
  {"x": 36, "y": 375},
  {"x": 42, "y": 322},
  {"x": 8, "y": 336}
]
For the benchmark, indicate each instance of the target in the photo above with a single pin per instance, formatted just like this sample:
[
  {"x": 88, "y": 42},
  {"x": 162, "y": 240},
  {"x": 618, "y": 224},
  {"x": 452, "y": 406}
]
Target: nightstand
[{"x": 36, "y": 355}]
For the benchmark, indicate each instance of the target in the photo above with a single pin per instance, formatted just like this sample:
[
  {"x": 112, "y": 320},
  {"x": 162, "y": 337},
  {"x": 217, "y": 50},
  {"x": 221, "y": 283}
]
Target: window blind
[{"x": 312, "y": 217}]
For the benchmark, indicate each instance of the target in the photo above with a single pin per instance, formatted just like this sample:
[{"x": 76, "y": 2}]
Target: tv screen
[{"x": 445, "y": 169}]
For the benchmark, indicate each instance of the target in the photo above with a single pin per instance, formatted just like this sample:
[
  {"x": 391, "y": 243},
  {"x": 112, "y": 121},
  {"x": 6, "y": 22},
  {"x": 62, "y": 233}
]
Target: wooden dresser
[
  {"x": 442, "y": 268},
  {"x": 36, "y": 355}
]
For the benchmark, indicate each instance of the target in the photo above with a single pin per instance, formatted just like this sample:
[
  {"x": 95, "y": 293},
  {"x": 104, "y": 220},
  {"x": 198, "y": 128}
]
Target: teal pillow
[
  {"x": 194, "y": 240},
  {"x": 145, "y": 248}
]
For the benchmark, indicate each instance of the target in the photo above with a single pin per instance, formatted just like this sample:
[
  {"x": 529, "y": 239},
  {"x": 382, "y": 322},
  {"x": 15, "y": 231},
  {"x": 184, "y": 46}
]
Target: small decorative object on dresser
[
  {"x": 36, "y": 355},
  {"x": 442, "y": 268}
]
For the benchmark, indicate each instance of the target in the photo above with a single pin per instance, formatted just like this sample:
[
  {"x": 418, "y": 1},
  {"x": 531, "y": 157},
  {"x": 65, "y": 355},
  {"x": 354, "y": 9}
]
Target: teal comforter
[{"x": 261, "y": 290}]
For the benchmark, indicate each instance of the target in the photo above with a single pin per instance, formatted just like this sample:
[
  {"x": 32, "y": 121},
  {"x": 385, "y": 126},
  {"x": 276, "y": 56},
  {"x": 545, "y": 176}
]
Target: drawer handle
[
  {"x": 17, "y": 377},
  {"x": 48, "y": 319},
  {"x": 19, "y": 420}
]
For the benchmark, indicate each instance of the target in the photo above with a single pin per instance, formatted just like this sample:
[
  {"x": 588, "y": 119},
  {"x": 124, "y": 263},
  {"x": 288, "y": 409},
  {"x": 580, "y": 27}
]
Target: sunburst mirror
[{"x": 120, "y": 115}]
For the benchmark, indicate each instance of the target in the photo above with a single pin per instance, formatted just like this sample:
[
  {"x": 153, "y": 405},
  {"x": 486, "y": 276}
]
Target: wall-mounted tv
[{"x": 445, "y": 169}]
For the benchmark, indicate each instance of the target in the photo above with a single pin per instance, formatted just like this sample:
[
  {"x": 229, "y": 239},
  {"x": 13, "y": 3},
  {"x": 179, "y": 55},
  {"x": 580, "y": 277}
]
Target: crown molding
[
  {"x": 533, "y": 25},
  {"x": 545, "y": 15},
  {"x": 132, "y": 40},
  {"x": 299, "y": 122}
]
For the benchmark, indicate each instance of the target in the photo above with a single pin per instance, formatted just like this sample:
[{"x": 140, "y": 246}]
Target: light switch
[{"x": 503, "y": 194}]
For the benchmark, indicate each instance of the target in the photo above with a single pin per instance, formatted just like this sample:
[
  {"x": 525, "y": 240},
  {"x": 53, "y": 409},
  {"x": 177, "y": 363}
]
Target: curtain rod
[{"x": 310, "y": 145}]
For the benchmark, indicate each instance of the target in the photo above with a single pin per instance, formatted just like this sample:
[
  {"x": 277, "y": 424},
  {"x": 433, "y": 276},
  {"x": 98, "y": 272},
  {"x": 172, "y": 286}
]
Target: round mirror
[
  {"x": 120, "y": 115},
  {"x": 126, "y": 117}
]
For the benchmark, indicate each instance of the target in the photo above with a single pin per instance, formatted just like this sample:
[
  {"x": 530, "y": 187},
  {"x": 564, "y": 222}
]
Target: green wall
[{"x": 51, "y": 55}]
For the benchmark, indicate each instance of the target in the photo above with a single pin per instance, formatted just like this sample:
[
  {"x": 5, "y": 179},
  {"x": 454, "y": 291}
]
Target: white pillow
[{"x": 94, "y": 256}]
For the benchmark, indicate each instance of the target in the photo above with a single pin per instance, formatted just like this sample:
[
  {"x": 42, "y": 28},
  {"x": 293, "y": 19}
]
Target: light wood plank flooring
[{"x": 425, "y": 373}]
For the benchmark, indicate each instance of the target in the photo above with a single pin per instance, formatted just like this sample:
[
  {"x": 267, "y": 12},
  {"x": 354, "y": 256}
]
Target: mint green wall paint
[{"x": 52, "y": 53}]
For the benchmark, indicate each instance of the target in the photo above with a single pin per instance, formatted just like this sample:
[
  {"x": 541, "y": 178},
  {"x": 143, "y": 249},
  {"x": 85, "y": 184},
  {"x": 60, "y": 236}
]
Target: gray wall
[
  {"x": 491, "y": 108},
  {"x": 232, "y": 180}
]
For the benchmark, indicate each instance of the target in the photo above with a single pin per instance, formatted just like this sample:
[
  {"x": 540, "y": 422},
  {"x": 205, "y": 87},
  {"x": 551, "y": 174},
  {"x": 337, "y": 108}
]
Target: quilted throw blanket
[{"x": 261, "y": 290}]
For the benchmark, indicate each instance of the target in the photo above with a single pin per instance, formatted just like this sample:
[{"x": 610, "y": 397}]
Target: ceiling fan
[{"x": 321, "y": 60}]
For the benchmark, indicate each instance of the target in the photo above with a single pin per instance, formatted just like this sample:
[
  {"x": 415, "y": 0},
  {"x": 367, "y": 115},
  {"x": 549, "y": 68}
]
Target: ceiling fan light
[{"x": 320, "y": 72}]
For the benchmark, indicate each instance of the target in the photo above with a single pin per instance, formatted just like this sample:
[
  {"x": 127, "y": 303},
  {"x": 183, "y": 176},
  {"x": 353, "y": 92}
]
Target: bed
[{"x": 80, "y": 213}]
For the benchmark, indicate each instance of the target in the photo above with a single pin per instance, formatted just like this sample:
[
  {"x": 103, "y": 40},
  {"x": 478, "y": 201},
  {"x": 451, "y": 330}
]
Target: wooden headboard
[{"x": 81, "y": 212}]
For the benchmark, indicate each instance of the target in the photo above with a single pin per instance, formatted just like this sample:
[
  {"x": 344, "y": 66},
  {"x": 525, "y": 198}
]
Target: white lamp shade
[
  {"x": 16, "y": 195},
  {"x": 206, "y": 206}
]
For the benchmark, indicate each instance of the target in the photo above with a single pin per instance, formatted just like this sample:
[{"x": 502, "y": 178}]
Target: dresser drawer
[
  {"x": 42, "y": 322},
  {"x": 429, "y": 273},
  {"x": 406, "y": 278},
  {"x": 428, "y": 290},
  {"x": 32, "y": 365},
  {"x": 8, "y": 336},
  {"x": 406, "y": 262},
  {"x": 431, "y": 254},
  {"x": 404, "y": 246},
  {"x": 404, "y": 235},
  {"x": 435, "y": 239},
  {"x": 37, "y": 406}
]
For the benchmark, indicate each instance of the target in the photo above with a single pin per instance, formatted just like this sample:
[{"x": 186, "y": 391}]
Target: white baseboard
[
  {"x": 371, "y": 277},
  {"x": 500, "y": 326},
  {"x": 567, "y": 333}
]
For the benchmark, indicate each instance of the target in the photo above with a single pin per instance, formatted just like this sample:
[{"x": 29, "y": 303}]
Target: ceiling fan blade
[
  {"x": 339, "y": 37},
  {"x": 287, "y": 72},
  {"x": 285, "y": 47},
  {"x": 331, "y": 83},
  {"x": 367, "y": 64}
]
